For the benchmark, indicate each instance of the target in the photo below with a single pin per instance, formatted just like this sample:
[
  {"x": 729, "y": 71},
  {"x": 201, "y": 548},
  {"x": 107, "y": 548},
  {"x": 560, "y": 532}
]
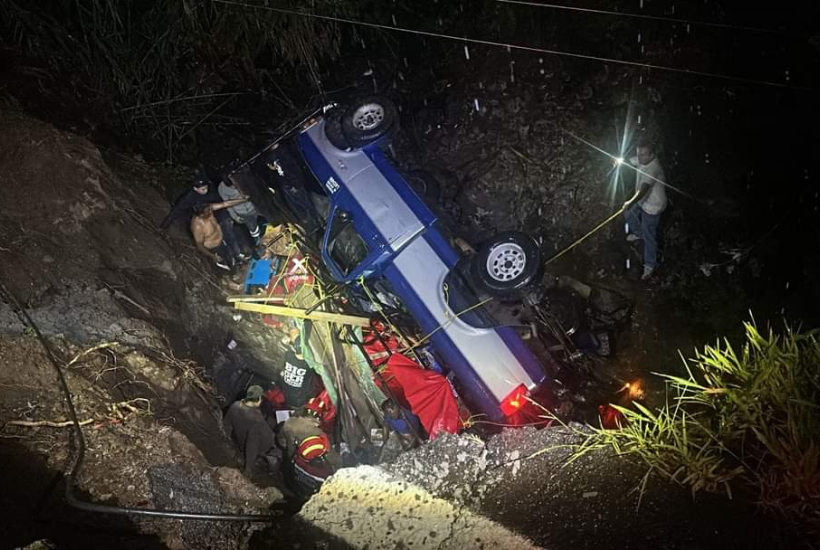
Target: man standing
[
  {"x": 208, "y": 234},
  {"x": 298, "y": 380},
  {"x": 245, "y": 424},
  {"x": 244, "y": 213},
  {"x": 199, "y": 193},
  {"x": 643, "y": 210}
]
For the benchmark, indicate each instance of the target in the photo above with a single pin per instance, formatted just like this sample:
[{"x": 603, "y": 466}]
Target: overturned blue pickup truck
[{"x": 372, "y": 226}]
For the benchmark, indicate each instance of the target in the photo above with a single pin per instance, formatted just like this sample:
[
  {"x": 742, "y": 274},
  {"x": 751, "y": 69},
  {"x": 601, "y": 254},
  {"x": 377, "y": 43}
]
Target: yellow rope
[
  {"x": 378, "y": 306},
  {"x": 320, "y": 285},
  {"x": 449, "y": 322},
  {"x": 291, "y": 251},
  {"x": 585, "y": 237},
  {"x": 401, "y": 336}
]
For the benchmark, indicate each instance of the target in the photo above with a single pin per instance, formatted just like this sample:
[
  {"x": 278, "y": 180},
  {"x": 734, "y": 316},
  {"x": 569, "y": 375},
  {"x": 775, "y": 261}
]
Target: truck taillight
[{"x": 514, "y": 401}]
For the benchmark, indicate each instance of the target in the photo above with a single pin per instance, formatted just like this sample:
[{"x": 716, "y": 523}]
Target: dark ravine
[{"x": 80, "y": 248}]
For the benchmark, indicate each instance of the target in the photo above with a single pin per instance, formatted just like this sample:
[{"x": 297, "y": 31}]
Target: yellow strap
[
  {"x": 379, "y": 308},
  {"x": 585, "y": 237},
  {"x": 449, "y": 322}
]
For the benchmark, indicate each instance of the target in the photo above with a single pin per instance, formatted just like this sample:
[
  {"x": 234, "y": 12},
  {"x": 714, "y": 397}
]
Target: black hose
[{"x": 71, "y": 477}]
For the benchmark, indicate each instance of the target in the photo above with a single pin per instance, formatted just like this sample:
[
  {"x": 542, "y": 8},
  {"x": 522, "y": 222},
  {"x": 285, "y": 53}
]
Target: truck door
[{"x": 347, "y": 250}]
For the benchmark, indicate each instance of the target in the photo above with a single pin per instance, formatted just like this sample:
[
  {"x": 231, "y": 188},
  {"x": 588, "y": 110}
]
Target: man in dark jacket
[
  {"x": 299, "y": 382},
  {"x": 245, "y": 424}
]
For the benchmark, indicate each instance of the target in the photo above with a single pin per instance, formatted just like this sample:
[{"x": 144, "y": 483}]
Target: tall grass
[{"x": 747, "y": 417}]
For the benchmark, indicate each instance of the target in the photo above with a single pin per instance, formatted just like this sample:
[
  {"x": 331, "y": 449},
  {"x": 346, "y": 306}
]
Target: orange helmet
[
  {"x": 316, "y": 407},
  {"x": 313, "y": 447}
]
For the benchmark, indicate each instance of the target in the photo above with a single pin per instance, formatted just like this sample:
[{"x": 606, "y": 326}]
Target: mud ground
[{"x": 82, "y": 253}]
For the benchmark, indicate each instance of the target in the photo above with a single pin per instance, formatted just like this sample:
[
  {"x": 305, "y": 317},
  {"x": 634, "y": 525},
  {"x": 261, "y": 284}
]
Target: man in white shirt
[{"x": 643, "y": 210}]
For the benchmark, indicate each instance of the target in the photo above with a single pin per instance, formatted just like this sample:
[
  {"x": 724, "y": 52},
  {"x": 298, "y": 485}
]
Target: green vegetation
[
  {"x": 163, "y": 67},
  {"x": 747, "y": 419}
]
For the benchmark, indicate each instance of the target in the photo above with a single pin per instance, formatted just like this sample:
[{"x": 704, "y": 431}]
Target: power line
[
  {"x": 515, "y": 46},
  {"x": 644, "y": 16}
]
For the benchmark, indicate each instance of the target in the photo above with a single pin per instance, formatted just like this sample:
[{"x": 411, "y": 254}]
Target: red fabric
[
  {"x": 276, "y": 398},
  {"x": 296, "y": 274},
  {"x": 426, "y": 393},
  {"x": 271, "y": 321},
  {"x": 377, "y": 351},
  {"x": 611, "y": 418},
  {"x": 531, "y": 414}
]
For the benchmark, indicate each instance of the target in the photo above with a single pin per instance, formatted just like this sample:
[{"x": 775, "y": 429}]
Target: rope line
[
  {"x": 517, "y": 46},
  {"x": 644, "y": 16},
  {"x": 586, "y": 236}
]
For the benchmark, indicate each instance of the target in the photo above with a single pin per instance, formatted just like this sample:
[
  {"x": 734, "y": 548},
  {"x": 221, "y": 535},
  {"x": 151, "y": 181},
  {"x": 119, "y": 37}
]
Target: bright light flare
[
  {"x": 617, "y": 162},
  {"x": 634, "y": 390}
]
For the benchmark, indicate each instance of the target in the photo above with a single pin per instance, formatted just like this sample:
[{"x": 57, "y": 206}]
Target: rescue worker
[
  {"x": 309, "y": 456},
  {"x": 208, "y": 234},
  {"x": 643, "y": 211},
  {"x": 246, "y": 426},
  {"x": 244, "y": 213},
  {"x": 298, "y": 381}
]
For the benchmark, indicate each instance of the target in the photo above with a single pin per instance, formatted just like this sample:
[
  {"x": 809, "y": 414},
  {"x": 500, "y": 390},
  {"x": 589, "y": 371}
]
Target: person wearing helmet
[
  {"x": 309, "y": 456},
  {"x": 246, "y": 426},
  {"x": 200, "y": 192}
]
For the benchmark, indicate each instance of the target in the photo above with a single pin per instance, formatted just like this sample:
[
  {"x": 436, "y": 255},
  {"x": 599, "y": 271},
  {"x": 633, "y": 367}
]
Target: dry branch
[{"x": 47, "y": 423}]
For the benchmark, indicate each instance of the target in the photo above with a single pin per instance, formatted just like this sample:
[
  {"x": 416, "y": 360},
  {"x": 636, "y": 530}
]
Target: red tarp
[
  {"x": 379, "y": 343},
  {"x": 428, "y": 394}
]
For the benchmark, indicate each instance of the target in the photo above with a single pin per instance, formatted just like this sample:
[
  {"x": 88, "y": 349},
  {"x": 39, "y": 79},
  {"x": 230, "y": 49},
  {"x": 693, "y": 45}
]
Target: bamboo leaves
[{"x": 144, "y": 56}]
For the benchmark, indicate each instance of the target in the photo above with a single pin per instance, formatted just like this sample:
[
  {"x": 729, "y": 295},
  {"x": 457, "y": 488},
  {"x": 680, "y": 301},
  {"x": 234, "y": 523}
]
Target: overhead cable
[
  {"x": 515, "y": 46},
  {"x": 644, "y": 16}
]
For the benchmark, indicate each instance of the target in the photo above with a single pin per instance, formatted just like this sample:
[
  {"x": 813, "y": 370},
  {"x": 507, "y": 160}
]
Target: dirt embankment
[
  {"x": 75, "y": 234},
  {"x": 82, "y": 253}
]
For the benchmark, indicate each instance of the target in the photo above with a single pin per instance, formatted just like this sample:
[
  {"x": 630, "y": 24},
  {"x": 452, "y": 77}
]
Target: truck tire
[
  {"x": 507, "y": 264},
  {"x": 367, "y": 119}
]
